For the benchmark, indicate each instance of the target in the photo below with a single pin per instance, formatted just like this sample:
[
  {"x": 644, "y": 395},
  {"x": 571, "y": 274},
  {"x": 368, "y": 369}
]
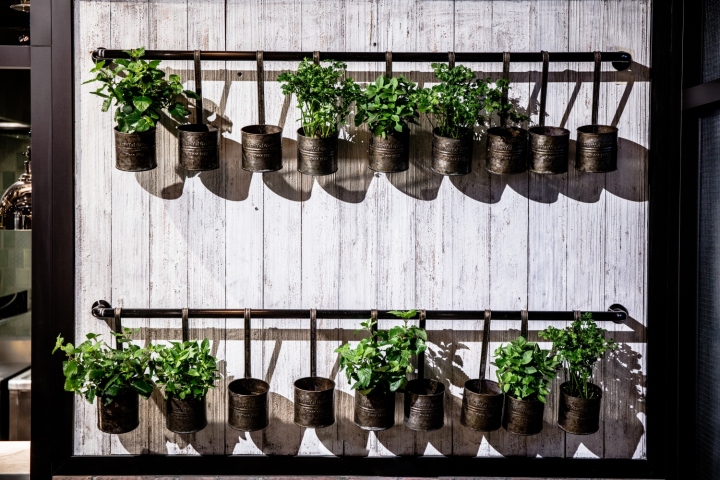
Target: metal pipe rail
[{"x": 620, "y": 60}]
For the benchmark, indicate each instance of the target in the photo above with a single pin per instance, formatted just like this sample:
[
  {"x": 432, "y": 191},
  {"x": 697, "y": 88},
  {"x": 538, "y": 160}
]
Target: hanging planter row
[
  {"x": 376, "y": 368},
  {"x": 456, "y": 106}
]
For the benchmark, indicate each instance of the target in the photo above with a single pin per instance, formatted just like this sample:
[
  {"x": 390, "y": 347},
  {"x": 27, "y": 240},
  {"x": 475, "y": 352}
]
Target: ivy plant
[
  {"x": 185, "y": 369},
  {"x": 581, "y": 345},
  {"x": 94, "y": 369},
  {"x": 524, "y": 371},
  {"x": 388, "y": 106},
  {"x": 380, "y": 362},
  {"x": 140, "y": 91},
  {"x": 323, "y": 98},
  {"x": 505, "y": 110}
]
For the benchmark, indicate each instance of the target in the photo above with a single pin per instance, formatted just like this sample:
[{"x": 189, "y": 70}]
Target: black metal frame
[{"x": 53, "y": 285}]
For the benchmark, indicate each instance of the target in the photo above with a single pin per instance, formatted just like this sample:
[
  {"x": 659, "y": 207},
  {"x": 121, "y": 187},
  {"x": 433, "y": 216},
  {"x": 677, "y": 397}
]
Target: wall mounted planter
[
  {"x": 596, "y": 149},
  {"x": 119, "y": 416},
  {"x": 314, "y": 402},
  {"x": 424, "y": 405},
  {"x": 317, "y": 156},
  {"x": 185, "y": 415},
  {"x": 451, "y": 156},
  {"x": 523, "y": 417},
  {"x": 390, "y": 154},
  {"x": 549, "y": 150},
  {"x": 507, "y": 149},
  {"x": 135, "y": 152},
  {"x": 199, "y": 147},
  {"x": 374, "y": 412},
  {"x": 579, "y": 416},
  {"x": 261, "y": 148},
  {"x": 248, "y": 404}
]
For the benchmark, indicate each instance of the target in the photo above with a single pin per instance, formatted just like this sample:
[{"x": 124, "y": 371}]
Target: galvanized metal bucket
[
  {"x": 199, "y": 147},
  {"x": 507, "y": 149},
  {"x": 261, "y": 148},
  {"x": 596, "y": 149},
  {"x": 248, "y": 404},
  {"x": 374, "y": 412},
  {"x": 119, "y": 416},
  {"x": 579, "y": 416},
  {"x": 523, "y": 417},
  {"x": 482, "y": 405},
  {"x": 424, "y": 405},
  {"x": 451, "y": 156},
  {"x": 390, "y": 154},
  {"x": 317, "y": 156},
  {"x": 549, "y": 150},
  {"x": 314, "y": 402},
  {"x": 135, "y": 152},
  {"x": 185, "y": 415}
]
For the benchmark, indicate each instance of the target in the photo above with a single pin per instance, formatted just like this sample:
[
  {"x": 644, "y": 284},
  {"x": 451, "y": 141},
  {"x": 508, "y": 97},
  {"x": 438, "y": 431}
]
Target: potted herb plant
[
  {"x": 115, "y": 376},
  {"x": 388, "y": 106},
  {"x": 324, "y": 102},
  {"x": 377, "y": 368},
  {"x": 186, "y": 370},
  {"x": 457, "y": 105},
  {"x": 140, "y": 92},
  {"x": 581, "y": 346},
  {"x": 524, "y": 373},
  {"x": 507, "y": 145}
]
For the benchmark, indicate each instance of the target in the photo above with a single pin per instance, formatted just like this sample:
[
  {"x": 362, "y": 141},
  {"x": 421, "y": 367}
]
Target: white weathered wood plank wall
[{"x": 361, "y": 240}]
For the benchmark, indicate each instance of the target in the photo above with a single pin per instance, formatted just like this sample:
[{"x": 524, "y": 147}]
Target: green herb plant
[
  {"x": 185, "y": 369},
  {"x": 388, "y": 106},
  {"x": 380, "y": 363},
  {"x": 524, "y": 371},
  {"x": 140, "y": 91},
  {"x": 457, "y": 103},
  {"x": 581, "y": 345},
  {"x": 94, "y": 369},
  {"x": 506, "y": 110},
  {"x": 323, "y": 98}
]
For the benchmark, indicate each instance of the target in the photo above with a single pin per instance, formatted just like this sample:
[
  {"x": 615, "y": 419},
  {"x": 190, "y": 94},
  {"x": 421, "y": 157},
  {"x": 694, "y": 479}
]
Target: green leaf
[{"x": 142, "y": 103}]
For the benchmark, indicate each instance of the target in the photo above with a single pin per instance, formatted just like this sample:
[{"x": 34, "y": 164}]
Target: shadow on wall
[{"x": 352, "y": 180}]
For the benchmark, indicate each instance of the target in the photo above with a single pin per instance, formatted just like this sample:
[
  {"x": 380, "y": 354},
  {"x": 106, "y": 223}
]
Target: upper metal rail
[{"x": 620, "y": 60}]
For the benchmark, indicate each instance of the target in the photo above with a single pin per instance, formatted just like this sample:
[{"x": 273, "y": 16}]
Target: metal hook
[
  {"x": 451, "y": 59},
  {"x": 506, "y": 76},
  {"x": 260, "y": 86},
  {"x": 543, "y": 87},
  {"x": 524, "y": 324},
  {"x": 316, "y": 57},
  {"x": 117, "y": 327},
  {"x": 485, "y": 344},
  {"x": 313, "y": 342},
  {"x": 576, "y": 314},
  {"x": 388, "y": 64},
  {"x": 421, "y": 356},
  {"x": 185, "y": 325},
  {"x": 596, "y": 88},
  {"x": 198, "y": 89},
  {"x": 374, "y": 322},
  {"x": 247, "y": 343}
]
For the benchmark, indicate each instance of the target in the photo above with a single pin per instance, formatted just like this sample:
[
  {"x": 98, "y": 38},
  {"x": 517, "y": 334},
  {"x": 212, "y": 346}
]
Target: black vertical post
[
  {"x": 247, "y": 333},
  {"x": 313, "y": 343},
  {"x": 421, "y": 357}
]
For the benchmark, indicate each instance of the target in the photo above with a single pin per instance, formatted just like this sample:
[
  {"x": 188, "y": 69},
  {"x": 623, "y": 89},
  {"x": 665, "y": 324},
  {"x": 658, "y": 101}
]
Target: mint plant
[
  {"x": 380, "y": 363},
  {"x": 94, "y": 369},
  {"x": 139, "y": 90},
  {"x": 524, "y": 371},
  {"x": 185, "y": 369},
  {"x": 387, "y": 106},
  {"x": 323, "y": 99},
  {"x": 581, "y": 345}
]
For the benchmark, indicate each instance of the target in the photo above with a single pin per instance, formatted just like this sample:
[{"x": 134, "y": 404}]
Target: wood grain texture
[{"x": 356, "y": 239}]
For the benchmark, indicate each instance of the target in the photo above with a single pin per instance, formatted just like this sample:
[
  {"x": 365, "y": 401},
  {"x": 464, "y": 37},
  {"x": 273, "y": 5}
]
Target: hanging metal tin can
[
  {"x": 248, "y": 404},
  {"x": 596, "y": 149},
  {"x": 507, "y": 149},
  {"x": 135, "y": 152},
  {"x": 549, "y": 150},
  {"x": 374, "y": 412},
  {"x": 390, "y": 154},
  {"x": 424, "y": 405},
  {"x": 451, "y": 156},
  {"x": 482, "y": 405},
  {"x": 579, "y": 416},
  {"x": 185, "y": 415},
  {"x": 317, "y": 156},
  {"x": 261, "y": 148},
  {"x": 314, "y": 402},
  {"x": 199, "y": 147},
  {"x": 523, "y": 417},
  {"x": 119, "y": 416}
]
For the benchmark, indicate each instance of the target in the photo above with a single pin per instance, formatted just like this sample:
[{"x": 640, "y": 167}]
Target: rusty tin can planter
[
  {"x": 317, "y": 156},
  {"x": 523, "y": 417},
  {"x": 424, "y": 405},
  {"x": 482, "y": 405},
  {"x": 185, "y": 415},
  {"x": 135, "y": 152},
  {"x": 507, "y": 150},
  {"x": 248, "y": 404},
  {"x": 549, "y": 150},
  {"x": 119, "y": 416},
  {"x": 261, "y": 148},
  {"x": 596, "y": 149},
  {"x": 314, "y": 402},
  {"x": 390, "y": 154},
  {"x": 374, "y": 412},
  {"x": 579, "y": 416},
  {"x": 199, "y": 147},
  {"x": 451, "y": 156}
]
